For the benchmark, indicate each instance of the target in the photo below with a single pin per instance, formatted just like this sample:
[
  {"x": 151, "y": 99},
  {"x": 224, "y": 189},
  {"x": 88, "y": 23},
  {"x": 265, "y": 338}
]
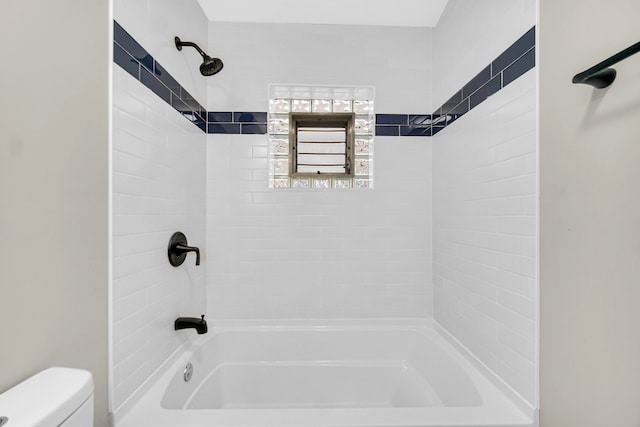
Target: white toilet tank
[{"x": 52, "y": 398}]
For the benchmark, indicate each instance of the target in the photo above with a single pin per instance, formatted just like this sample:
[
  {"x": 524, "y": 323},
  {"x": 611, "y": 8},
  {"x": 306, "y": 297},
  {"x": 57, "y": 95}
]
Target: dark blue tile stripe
[
  {"x": 233, "y": 128},
  {"x": 388, "y": 130},
  {"x": 518, "y": 68},
  {"x": 507, "y": 67},
  {"x": 135, "y": 60},
  {"x": 475, "y": 83},
  {"x": 516, "y": 60},
  {"x": 392, "y": 119},
  {"x": 515, "y": 51},
  {"x": 254, "y": 117}
]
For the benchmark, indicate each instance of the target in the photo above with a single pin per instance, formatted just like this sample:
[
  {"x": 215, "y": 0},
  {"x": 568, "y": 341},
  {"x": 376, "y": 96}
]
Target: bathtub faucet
[
  {"x": 178, "y": 249},
  {"x": 200, "y": 325}
]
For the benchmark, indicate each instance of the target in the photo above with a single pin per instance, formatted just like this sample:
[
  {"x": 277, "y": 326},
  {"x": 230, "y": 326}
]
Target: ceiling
[{"x": 405, "y": 13}]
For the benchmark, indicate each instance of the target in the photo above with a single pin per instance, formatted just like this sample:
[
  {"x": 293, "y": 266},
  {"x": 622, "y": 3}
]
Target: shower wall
[
  {"x": 485, "y": 195},
  {"x": 319, "y": 253},
  {"x": 396, "y": 60},
  {"x": 158, "y": 188},
  {"x": 327, "y": 254}
]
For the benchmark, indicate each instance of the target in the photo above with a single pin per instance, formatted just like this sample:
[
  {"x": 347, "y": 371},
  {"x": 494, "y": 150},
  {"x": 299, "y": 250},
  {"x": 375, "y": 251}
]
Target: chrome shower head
[{"x": 210, "y": 66}]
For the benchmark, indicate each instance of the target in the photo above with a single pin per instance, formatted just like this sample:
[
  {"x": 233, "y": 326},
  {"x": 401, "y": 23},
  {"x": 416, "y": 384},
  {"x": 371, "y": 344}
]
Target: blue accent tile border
[
  {"x": 135, "y": 60},
  {"x": 516, "y": 60}
]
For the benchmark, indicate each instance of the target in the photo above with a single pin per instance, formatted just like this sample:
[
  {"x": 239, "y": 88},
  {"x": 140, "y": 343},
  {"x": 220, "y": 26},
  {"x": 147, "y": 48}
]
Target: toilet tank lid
[{"x": 47, "y": 398}]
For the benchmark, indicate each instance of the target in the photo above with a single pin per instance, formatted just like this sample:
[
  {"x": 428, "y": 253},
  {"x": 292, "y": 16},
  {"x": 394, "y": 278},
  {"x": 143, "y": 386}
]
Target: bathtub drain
[{"x": 188, "y": 372}]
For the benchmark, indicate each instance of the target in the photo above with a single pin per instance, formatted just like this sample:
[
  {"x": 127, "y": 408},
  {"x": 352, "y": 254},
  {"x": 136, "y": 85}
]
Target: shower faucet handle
[{"x": 178, "y": 249}]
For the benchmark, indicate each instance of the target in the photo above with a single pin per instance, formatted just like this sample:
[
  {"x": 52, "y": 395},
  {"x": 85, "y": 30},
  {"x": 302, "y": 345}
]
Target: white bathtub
[{"x": 362, "y": 374}]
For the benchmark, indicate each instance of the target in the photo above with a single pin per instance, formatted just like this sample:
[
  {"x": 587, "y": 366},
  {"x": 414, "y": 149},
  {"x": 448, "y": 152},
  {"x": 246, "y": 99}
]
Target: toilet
[{"x": 51, "y": 398}]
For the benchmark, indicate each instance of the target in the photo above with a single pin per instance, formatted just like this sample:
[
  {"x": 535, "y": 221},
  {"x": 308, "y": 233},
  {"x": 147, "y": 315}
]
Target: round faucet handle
[{"x": 203, "y": 317}]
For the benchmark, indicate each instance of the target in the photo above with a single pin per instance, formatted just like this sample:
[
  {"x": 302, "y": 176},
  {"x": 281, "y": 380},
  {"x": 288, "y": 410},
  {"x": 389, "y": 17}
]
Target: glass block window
[
  {"x": 321, "y": 137},
  {"x": 321, "y": 144}
]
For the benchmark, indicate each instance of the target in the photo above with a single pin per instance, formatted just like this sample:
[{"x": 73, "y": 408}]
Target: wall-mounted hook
[{"x": 178, "y": 249}]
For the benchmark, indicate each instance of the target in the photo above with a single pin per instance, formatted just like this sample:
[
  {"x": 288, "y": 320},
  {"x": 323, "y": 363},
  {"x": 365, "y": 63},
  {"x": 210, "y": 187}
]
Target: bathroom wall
[
  {"x": 54, "y": 152},
  {"x": 319, "y": 254},
  {"x": 470, "y": 34},
  {"x": 484, "y": 195},
  {"x": 589, "y": 211},
  {"x": 396, "y": 60},
  {"x": 158, "y": 188}
]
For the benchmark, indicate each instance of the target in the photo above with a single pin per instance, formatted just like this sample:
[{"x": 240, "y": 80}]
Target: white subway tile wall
[
  {"x": 158, "y": 188},
  {"x": 155, "y": 24},
  {"x": 484, "y": 226},
  {"x": 396, "y": 60},
  {"x": 313, "y": 253},
  {"x": 317, "y": 253},
  {"x": 159, "y": 177},
  {"x": 471, "y": 34}
]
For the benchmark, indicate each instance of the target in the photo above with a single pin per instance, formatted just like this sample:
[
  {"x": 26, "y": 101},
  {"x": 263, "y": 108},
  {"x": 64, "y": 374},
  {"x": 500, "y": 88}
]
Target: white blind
[{"x": 321, "y": 149}]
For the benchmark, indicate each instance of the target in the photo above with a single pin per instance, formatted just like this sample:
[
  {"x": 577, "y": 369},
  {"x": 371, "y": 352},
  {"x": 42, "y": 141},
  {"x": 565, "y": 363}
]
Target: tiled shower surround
[
  {"x": 448, "y": 232},
  {"x": 516, "y": 60}
]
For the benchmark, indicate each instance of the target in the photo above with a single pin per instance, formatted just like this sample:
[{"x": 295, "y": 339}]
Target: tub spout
[{"x": 200, "y": 325}]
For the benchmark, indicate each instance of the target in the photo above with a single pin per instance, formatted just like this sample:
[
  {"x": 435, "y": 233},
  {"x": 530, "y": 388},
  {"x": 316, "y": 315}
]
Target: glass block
[
  {"x": 279, "y": 106},
  {"x": 321, "y": 106},
  {"x": 364, "y": 125},
  {"x": 321, "y": 183},
  {"x": 300, "y": 183},
  {"x": 362, "y": 167},
  {"x": 279, "y": 125},
  {"x": 281, "y": 183},
  {"x": 341, "y": 183},
  {"x": 362, "y": 146},
  {"x": 362, "y": 107},
  {"x": 341, "y": 106},
  {"x": 280, "y": 146},
  {"x": 281, "y": 166},
  {"x": 362, "y": 183},
  {"x": 301, "y": 106}
]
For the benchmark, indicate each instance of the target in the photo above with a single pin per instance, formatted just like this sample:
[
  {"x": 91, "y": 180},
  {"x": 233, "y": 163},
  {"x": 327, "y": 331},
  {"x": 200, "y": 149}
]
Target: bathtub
[{"x": 340, "y": 374}]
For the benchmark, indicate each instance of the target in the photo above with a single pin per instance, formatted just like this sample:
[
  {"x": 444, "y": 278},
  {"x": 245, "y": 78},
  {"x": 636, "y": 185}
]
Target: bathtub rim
[{"x": 193, "y": 342}]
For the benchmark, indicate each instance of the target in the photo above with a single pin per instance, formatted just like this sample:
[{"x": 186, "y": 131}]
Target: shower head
[{"x": 210, "y": 66}]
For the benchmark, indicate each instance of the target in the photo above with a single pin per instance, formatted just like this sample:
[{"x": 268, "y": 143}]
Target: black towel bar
[{"x": 600, "y": 75}]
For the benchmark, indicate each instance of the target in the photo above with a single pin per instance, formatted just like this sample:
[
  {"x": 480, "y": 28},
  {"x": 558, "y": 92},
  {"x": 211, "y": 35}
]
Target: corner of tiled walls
[
  {"x": 484, "y": 192},
  {"x": 158, "y": 187}
]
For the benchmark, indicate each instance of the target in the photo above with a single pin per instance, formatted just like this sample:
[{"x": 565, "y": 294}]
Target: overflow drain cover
[
  {"x": 4, "y": 421},
  {"x": 188, "y": 373}
]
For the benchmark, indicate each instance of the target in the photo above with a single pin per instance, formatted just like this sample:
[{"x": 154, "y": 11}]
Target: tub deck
[{"x": 352, "y": 375}]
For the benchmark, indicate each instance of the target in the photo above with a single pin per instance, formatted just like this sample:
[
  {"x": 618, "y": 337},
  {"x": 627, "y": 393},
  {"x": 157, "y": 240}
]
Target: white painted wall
[
  {"x": 471, "y": 34},
  {"x": 54, "y": 158},
  {"x": 159, "y": 176},
  {"x": 590, "y": 210},
  {"x": 397, "y": 61},
  {"x": 318, "y": 254},
  {"x": 484, "y": 198}
]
